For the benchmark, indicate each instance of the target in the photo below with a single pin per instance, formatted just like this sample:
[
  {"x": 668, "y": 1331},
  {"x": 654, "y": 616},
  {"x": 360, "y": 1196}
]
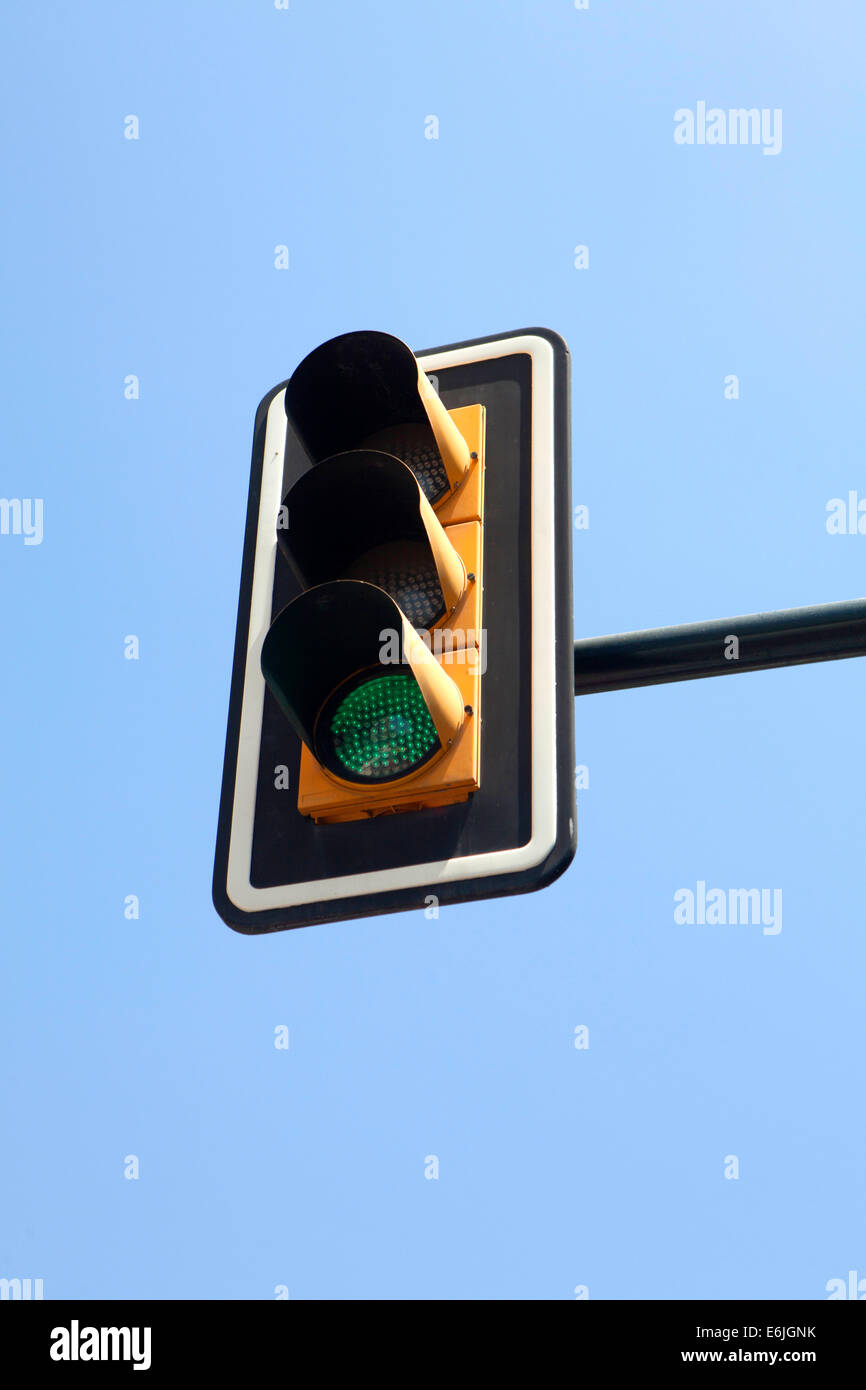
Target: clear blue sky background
[{"x": 155, "y": 1037}]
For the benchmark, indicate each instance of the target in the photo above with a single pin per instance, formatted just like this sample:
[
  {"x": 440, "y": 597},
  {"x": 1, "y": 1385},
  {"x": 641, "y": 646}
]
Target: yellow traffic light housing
[{"x": 381, "y": 657}]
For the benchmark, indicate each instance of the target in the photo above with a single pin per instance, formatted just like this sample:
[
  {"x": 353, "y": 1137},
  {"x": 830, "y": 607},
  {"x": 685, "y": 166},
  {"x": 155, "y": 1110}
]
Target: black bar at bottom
[
  {"x": 220, "y": 1342},
  {"x": 790, "y": 637}
]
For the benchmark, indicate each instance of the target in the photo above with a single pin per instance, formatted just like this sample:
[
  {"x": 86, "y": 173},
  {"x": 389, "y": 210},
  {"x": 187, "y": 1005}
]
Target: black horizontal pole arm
[{"x": 754, "y": 642}]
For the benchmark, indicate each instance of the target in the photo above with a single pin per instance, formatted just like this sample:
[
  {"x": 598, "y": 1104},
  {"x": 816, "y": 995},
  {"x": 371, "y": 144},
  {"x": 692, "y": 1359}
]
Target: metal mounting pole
[{"x": 789, "y": 637}]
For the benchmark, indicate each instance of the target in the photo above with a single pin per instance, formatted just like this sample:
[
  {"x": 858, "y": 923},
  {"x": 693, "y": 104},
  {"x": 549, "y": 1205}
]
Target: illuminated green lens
[{"x": 383, "y": 728}]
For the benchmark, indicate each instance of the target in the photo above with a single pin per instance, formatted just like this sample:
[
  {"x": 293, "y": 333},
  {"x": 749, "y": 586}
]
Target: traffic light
[
  {"x": 401, "y": 717},
  {"x": 361, "y": 533}
]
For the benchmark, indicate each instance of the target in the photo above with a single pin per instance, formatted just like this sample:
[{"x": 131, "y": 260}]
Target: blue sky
[{"x": 559, "y": 1167}]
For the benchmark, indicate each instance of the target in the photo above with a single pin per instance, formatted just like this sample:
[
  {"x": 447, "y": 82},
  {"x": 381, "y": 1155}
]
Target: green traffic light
[{"x": 382, "y": 729}]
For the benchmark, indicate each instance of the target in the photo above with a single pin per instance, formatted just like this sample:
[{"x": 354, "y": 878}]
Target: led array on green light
[{"x": 383, "y": 728}]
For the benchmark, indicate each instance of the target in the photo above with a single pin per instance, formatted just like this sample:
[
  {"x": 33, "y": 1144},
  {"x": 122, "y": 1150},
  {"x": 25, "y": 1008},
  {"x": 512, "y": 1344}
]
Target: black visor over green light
[{"x": 362, "y": 719}]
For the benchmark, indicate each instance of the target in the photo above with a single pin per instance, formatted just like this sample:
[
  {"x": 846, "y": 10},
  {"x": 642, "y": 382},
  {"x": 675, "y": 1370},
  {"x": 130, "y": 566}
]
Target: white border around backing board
[{"x": 240, "y": 891}]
